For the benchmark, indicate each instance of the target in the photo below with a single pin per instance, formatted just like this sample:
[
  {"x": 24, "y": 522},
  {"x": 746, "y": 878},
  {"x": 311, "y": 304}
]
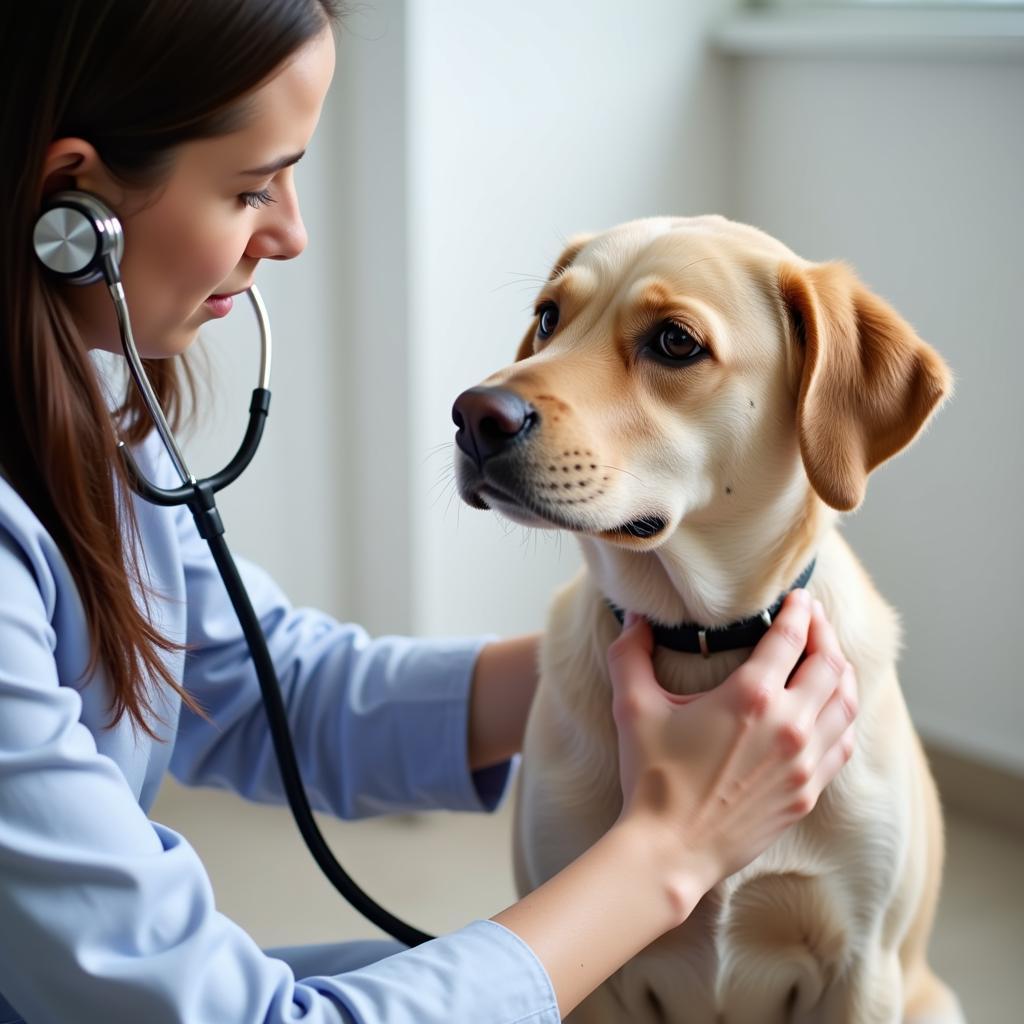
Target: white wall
[{"x": 911, "y": 171}]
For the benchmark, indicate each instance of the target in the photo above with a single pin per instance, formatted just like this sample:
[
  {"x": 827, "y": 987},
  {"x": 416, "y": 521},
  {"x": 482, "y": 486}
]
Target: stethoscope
[{"x": 79, "y": 239}]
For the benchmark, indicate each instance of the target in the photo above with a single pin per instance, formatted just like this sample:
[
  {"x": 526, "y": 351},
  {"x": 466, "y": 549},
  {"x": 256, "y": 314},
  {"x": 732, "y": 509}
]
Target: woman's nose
[{"x": 281, "y": 235}]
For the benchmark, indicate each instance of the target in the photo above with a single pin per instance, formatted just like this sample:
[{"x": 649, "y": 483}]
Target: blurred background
[{"x": 463, "y": 142}]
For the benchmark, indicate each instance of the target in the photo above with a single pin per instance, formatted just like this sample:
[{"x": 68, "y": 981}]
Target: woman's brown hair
[{"x": 135, "y": 78}]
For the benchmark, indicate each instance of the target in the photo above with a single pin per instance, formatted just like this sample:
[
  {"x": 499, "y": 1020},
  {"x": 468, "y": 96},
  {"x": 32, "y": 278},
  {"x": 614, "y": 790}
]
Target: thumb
[{"x": 629, "y": 660}]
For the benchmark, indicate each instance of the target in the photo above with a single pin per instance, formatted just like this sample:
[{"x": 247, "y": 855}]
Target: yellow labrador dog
[{"x": 697, "y": 404}]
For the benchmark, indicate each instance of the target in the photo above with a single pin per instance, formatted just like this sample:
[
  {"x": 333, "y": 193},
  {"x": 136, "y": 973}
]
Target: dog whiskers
[
  {"x": 436, "y": 450},
  {"x": 626, "y": 471},
  {"x": 532, "y": 281},
  {"x": 446, "y": 476},
  {"x": 444, "y": 490},
  {"x": 538, "y": 278}
]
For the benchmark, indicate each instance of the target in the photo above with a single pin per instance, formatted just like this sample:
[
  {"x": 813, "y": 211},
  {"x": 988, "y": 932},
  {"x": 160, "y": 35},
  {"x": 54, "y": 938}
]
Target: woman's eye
[
  {"x": 676, "y": 343},
  {"x": 547, "y": 319},
  {"x": 257, "y": 199}
]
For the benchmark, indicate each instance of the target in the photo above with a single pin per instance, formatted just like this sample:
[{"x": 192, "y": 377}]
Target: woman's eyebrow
[{"x": 274, "y": 165}]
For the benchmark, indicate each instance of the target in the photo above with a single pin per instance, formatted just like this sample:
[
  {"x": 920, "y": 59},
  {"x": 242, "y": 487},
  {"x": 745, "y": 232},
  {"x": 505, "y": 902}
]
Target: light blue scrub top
[{"x": 108, "y": 916}]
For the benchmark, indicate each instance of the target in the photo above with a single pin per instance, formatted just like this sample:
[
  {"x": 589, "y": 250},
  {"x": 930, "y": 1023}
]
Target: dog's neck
[
  {"x": 716, "y": 569},
  {"x": 691, "y": 638}
]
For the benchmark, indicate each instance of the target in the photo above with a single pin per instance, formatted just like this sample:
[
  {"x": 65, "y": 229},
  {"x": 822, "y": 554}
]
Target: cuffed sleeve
[{"x": 483, "y": 973}]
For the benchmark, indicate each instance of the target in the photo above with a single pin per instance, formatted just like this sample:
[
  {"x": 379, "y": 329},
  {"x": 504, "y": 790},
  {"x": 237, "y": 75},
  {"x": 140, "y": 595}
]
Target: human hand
[{"x": 720, "y": 775}]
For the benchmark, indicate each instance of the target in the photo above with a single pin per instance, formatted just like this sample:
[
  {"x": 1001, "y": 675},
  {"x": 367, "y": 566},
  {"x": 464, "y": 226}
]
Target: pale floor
[{"x": 440, "y": 871}]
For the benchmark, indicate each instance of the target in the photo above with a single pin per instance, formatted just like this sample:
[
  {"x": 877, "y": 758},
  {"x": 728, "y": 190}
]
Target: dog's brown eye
[
  {"x": 547, "y": 319},
  {"x": 675, "y": 342}
]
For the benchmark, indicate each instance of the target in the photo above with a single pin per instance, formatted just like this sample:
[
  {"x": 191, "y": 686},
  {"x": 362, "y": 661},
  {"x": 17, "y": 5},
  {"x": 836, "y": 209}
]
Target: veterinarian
[{"x": 186, "y": 118}]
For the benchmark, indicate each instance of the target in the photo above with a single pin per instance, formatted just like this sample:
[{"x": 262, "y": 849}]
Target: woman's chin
[{"x": 173, "y": 343}]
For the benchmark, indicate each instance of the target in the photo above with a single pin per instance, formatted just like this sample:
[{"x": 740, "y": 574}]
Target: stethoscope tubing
[{"x": 198, "y": 496}]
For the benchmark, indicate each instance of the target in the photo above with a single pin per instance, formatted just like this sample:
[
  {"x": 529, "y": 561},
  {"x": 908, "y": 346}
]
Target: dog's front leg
[{"x": 566, "y": 799}]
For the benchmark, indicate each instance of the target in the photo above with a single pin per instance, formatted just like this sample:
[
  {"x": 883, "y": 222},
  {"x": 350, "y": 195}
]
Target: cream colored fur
[{"x": 745, "y": 455}]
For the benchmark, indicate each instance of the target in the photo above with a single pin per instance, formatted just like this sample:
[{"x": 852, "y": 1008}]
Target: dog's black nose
[{"x": 489, "y": 419}]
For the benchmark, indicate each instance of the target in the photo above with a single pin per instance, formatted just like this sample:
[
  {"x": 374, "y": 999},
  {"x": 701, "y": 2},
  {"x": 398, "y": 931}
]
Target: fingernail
[
  {"x": 630, "y": 620},
  {"x": 819, "y": 608},
  {"x": 802, "y": 596}
]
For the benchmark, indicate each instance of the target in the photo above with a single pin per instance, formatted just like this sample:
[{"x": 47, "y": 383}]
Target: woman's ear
[
  {"x": 72, "y": 163},
  {"x": 868, "y": 383}
]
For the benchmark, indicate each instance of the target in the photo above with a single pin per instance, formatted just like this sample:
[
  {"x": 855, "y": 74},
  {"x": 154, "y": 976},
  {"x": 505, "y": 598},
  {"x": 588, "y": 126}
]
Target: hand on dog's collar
[{"x": 690, "y": 638}]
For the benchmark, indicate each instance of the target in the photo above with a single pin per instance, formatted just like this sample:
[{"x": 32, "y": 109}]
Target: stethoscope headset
[{"x": 80, "y": 241}]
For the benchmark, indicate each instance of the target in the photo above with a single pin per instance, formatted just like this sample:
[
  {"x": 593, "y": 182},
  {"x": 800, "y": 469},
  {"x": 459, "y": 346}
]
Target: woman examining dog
[{"x": 187, "y": 118}]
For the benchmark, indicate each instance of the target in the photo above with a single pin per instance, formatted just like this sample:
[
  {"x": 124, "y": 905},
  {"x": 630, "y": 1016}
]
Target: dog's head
[{"x": 691, "y": 369}]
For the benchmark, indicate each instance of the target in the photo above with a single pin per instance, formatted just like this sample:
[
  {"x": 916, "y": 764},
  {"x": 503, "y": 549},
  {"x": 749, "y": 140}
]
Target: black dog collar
[{"x": 708, "y": 640}]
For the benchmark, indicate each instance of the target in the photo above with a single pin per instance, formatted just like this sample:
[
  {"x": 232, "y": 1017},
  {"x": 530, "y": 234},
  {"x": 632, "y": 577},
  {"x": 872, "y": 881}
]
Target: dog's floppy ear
[
  {"x": 868, "y": 383},
  {"x": 562, "y": 264}
]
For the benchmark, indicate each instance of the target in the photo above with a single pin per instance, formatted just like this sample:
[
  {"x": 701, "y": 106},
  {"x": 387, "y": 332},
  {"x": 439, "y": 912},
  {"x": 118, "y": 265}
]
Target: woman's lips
[{"x": 220, "y": 305}]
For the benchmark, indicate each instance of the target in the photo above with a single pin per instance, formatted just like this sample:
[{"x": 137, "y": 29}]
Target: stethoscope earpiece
[{"x": 79, "y": 238}]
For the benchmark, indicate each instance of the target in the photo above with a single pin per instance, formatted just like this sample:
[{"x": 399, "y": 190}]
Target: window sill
[{"x": 979, "y": 34}]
